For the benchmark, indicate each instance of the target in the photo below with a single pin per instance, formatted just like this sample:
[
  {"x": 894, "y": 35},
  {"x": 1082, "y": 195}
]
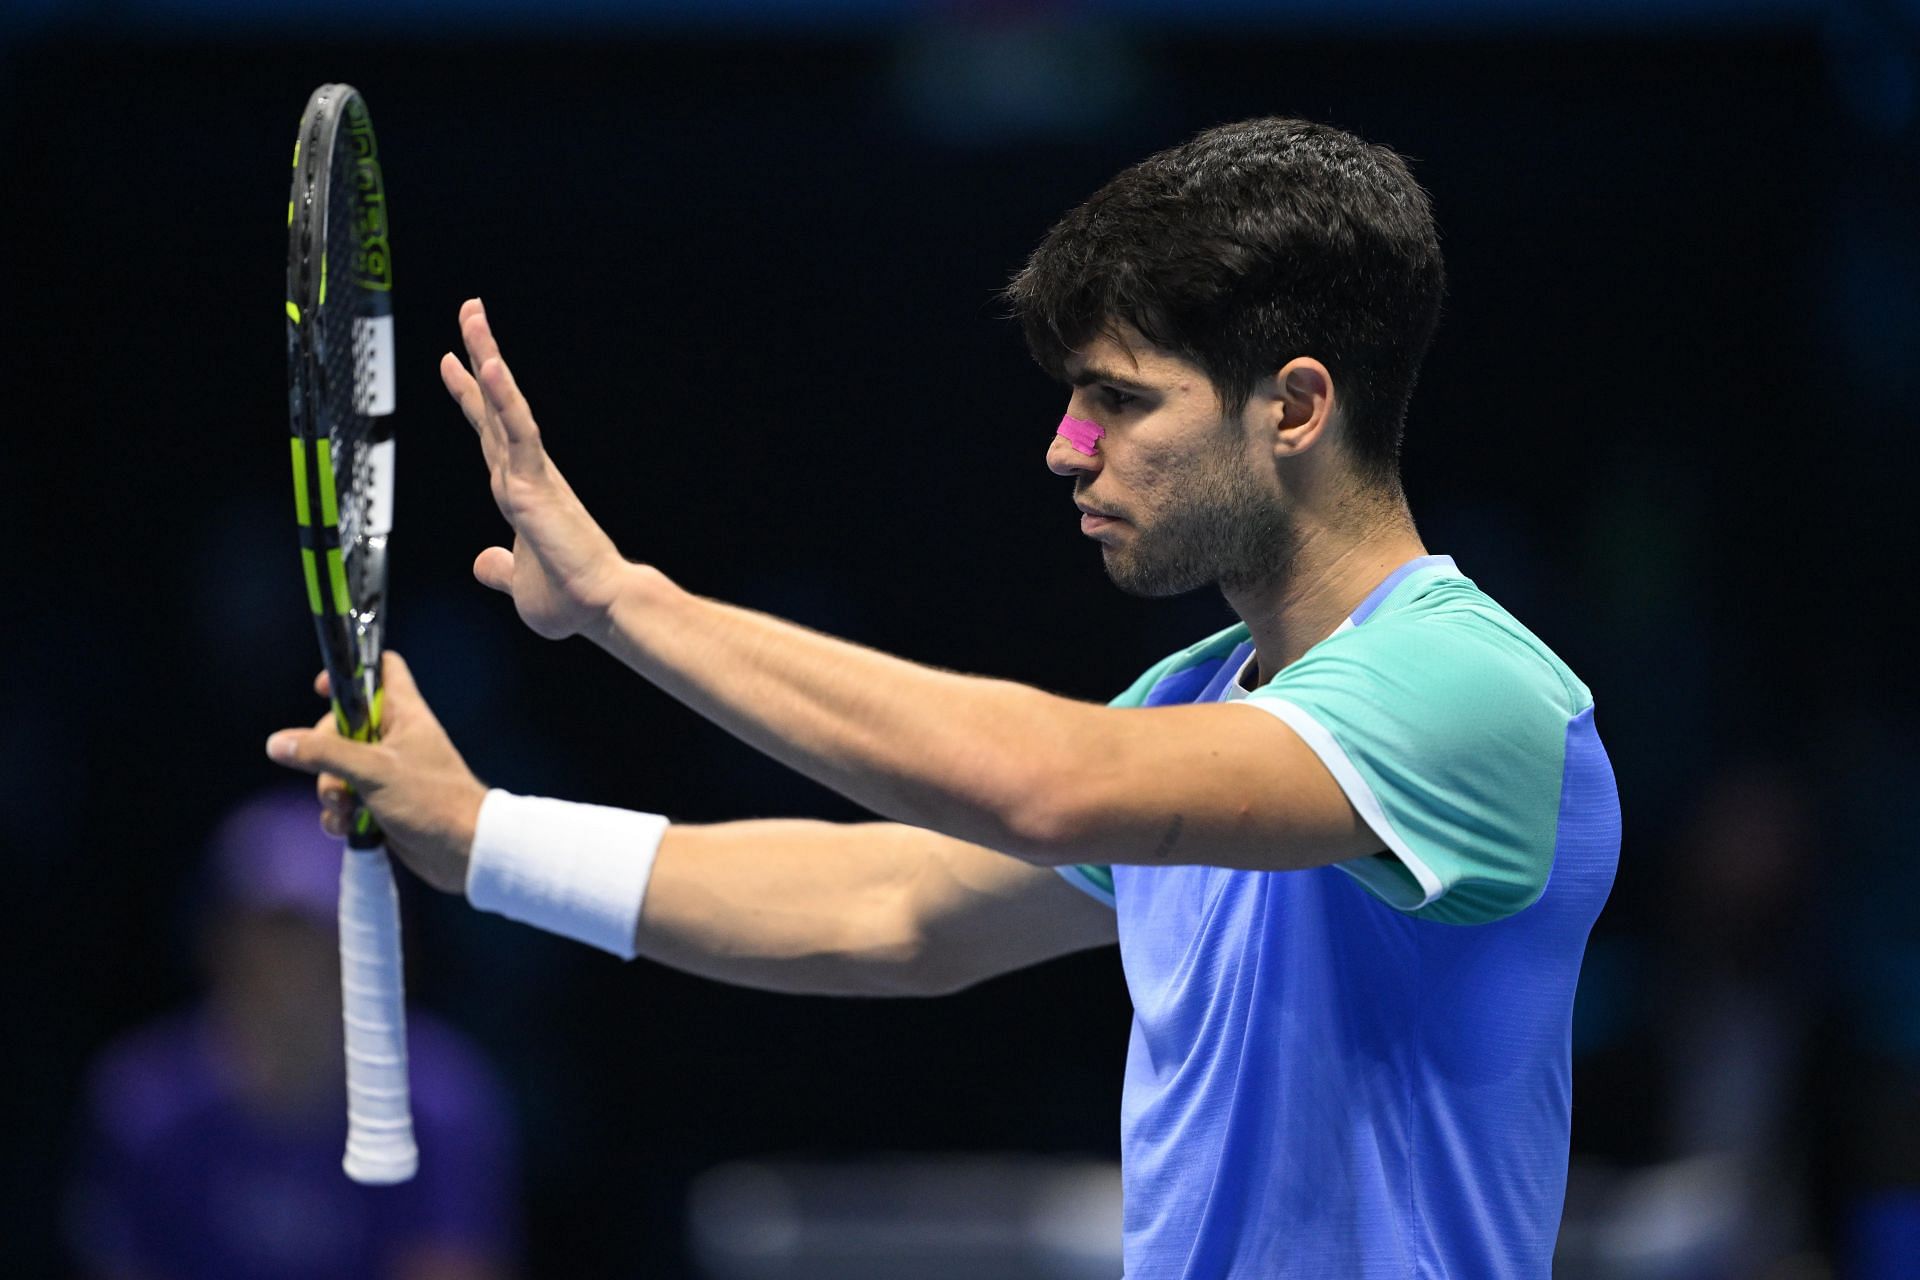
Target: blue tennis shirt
[{"x": 1363, "y": 1070}]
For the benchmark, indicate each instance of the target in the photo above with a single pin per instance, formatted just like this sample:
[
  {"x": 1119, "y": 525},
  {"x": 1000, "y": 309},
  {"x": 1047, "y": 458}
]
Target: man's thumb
[
  {"x": 494, "y": 568},
  {"x": 311, "y": 751}
]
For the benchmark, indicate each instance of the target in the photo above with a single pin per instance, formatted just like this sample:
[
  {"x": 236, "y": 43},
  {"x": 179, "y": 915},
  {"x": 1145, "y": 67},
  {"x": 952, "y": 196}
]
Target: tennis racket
[{"x": 340, "y": 394}]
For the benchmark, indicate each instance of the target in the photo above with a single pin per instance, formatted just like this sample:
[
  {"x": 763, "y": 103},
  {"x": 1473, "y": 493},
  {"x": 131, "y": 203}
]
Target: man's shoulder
[{"x": 1447, "y": 630}]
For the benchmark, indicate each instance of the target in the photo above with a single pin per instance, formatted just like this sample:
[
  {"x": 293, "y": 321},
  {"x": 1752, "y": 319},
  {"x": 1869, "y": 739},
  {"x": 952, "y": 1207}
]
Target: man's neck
[{"x": 1328, "y": 576}]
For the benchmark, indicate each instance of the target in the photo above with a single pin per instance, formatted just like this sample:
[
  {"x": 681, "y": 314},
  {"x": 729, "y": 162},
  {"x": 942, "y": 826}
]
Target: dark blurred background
[{"x": 744, "y": 257}]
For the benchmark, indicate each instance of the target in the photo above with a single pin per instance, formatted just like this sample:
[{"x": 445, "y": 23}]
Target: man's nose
[{"x": 1065, "y": 460}]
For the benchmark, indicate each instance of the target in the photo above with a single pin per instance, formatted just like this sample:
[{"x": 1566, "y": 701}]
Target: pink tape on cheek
[{"x": 1081, "y": 434}]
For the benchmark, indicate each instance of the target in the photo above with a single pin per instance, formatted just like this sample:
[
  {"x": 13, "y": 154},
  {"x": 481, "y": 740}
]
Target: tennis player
[{"x": 1351, "y": 923}]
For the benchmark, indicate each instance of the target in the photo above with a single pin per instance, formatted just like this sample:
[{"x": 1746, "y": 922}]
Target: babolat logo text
[{"x": 372, "y": 265}]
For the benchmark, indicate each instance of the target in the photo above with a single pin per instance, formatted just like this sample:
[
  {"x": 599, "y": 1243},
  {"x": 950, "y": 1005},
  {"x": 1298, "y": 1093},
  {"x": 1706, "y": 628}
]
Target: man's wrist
[
  {"x": 638, "y": 589},
  {"x": 578, "y": 870}
]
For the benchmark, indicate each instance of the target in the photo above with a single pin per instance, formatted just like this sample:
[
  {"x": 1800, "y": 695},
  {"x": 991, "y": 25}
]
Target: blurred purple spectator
[{"x": 213, "y": 1136}]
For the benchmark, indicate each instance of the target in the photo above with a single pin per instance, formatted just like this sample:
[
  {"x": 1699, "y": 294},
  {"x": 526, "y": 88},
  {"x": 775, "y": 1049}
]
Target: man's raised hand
[{"x": 563, "y": 571}]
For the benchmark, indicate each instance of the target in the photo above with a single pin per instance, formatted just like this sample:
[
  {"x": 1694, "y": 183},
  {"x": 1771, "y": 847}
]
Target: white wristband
[{"x": 578, "y": 870}]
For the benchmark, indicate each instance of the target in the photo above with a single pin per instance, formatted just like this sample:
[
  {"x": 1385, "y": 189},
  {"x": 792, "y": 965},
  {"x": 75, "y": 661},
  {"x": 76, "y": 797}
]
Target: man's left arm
[{"x": 1046, "y": 779}]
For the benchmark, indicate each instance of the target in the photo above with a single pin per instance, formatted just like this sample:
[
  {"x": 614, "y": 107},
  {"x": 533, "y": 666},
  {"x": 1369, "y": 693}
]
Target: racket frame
[
  {"x": 380, "y": 1146},
  {"x": 349, "y": 631}
]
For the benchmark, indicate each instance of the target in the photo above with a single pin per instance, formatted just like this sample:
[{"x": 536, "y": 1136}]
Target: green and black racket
[{"x": 340, "y": 397}]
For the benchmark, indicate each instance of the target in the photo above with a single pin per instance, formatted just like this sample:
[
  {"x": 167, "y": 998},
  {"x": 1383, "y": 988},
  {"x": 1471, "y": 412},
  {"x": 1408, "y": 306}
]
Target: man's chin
[{"x": 1147, "y": 582}]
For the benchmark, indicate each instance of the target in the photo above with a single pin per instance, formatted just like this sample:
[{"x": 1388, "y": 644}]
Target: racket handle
[{"x": 380, "y": 1147}]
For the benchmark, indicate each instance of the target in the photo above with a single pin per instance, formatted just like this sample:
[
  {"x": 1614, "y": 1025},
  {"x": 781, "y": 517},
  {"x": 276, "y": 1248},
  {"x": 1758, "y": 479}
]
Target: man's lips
[{"x": 1095, "y": 512}]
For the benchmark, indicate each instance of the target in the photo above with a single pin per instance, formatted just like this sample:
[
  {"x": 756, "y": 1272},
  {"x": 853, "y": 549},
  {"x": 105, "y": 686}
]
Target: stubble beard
[{"x": 1228, "y": 532}]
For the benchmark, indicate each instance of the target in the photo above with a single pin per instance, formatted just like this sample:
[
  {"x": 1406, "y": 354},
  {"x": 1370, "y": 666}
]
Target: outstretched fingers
[
  {"x": 485, "y": 389},
  {"x": 511, "y": 411},
  {"x": 477, "y": 334},
  {"x": 465, "y": 392},
  {"x": 477, "y": 337}
]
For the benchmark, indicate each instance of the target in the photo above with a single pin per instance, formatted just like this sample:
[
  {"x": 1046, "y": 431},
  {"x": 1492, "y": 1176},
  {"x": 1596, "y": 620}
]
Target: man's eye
[{"x": 1114, "y": 398}]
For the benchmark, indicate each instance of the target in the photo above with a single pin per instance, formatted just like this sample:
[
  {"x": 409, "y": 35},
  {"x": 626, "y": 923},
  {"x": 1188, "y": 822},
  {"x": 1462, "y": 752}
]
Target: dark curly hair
[{"x": 1244, "y": 248}]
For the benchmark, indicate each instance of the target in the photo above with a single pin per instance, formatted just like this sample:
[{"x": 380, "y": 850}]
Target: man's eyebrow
[{"x": 1090, "y": 375}]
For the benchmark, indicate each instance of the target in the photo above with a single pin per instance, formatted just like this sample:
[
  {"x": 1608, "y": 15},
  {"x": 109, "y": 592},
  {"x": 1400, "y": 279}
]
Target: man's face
[{"x": 1181, "y": 496}]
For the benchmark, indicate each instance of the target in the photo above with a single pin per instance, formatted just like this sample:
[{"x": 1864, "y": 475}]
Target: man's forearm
[
  {"x": 789, "y": 905},
  {"x": 957, "y": 754}
]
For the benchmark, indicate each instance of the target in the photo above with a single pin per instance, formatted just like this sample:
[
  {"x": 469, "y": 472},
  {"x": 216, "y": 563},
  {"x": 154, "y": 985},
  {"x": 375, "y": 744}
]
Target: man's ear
[{"x": 1301, "y": 406}]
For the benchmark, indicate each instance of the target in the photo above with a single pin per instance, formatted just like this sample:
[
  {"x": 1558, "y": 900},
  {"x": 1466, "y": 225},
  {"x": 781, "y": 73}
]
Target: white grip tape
[{"x": 380, "y": 1147}]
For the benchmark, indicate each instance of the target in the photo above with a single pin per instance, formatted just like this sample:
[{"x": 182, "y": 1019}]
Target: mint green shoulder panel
[{"x": 1448, "y": 720}]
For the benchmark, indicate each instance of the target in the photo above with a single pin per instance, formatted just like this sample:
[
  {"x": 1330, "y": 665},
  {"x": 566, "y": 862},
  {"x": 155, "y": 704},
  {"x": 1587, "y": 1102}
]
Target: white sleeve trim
[
  {"x": 1071, "y": 874},
  {"x": 1323, "y": 744}
]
